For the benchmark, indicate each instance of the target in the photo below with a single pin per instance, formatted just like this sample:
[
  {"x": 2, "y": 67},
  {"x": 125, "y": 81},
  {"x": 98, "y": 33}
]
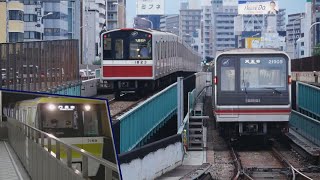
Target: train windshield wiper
[
  {"x": 245, "y": 87},
  {"x": 274, "y": 90}
]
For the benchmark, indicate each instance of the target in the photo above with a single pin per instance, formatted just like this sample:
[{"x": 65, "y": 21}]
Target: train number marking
[
  {"x": 276, "y": 61},
  {"x": 92, "y": 140},
  {"x": 141, "y": 62},
  {"x": 253, "y": 100}
]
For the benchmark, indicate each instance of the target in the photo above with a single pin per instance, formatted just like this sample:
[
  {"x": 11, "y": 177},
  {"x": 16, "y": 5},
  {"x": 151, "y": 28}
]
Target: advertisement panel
[
  {"x": 150, "y": 7},
  {"x": 253, "y": 7},
  {"x": 253, "y": 43}
]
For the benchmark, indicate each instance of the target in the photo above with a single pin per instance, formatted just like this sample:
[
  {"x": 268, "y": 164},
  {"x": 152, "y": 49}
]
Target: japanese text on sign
[{"x": 150, "y": 7}]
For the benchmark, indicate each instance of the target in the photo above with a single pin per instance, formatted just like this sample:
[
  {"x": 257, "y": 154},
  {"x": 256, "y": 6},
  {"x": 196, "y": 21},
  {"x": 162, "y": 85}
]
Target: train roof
[
  {"x": 60, "y": 100},
  {"x": 247, "y": 50},
  {"x": 152, "y": 31},
  {"x": 252, "y": 51}
]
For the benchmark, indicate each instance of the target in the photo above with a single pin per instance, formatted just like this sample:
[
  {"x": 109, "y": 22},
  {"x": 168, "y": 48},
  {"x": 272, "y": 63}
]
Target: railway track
[
  {"x": 124, "y": 104},
  {"x": 265, "y": 164}
]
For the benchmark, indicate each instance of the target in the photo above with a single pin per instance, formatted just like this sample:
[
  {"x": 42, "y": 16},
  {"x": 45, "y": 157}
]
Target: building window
[
  {"x": 32, "y": 35},
  {"x": 52, "y": 32},
  {"x": 15, "y": 37},
  {"x": 15, "y": 15},
  {"x": 302, "y": 53},
  {"x": 29, "y": 2},
  {"x": 30, "y": 18},
  {"x": 302, "y": 44}
]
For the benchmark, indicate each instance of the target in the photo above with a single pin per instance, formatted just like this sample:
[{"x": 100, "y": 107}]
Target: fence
[
  {"x": 306, "y": 64},
  {"x": 306, "y": 126},
  {"x": 41, "y": 154},
  {"x": 308, "y": 100},
  {"x": 39, "y": 65}
]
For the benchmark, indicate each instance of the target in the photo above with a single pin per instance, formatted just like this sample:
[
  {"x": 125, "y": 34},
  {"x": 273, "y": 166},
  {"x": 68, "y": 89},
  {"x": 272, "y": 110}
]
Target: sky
[{"x": 172, "y": 7}]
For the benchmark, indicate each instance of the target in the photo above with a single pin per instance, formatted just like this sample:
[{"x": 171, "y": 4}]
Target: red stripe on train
[
  {"x": 253, "y": 111},
  {"x": 127, "y": 71}
]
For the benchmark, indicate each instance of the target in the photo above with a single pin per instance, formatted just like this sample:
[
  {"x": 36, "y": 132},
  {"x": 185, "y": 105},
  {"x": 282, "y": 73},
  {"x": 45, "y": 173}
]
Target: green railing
[
  {"x": 141, "y": 121},
  {"x": 306, "y": 126},
  {"x": 308, "y": 99}
]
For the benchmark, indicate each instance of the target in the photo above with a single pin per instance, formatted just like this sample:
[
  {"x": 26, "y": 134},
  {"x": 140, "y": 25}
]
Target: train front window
[
  {"x": 119, "y": 48},
  {"x": 107, "y": 47},
  {"x": 257, "y": 73},
  {"x": 127, "y": 45},
  {"x": 228, "y": 74},
  {"x": 140, "y": 48},
  {"x": 90, "y": 122},
  {"x": 64, "y": 120}
]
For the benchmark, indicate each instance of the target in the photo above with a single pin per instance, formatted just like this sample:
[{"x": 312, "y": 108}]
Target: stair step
[
  {"x": 195, "y": 123},
  {"x": 195, "y": 129},
  {"x": 195, "y": 142},
  {"x": 196, "y": 135},
  {"x": 195, "y": 148}
]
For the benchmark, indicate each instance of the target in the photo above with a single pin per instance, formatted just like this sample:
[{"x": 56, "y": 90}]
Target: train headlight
[
  {"x": 87, "y": 107},
  {"x": 51, "y": 107}
]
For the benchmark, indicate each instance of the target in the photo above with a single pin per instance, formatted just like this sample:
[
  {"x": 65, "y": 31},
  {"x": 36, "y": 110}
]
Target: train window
[
  {"x": 119, "y": 48},
  {"x": 261, "y": 73},
  {"x": 107, "y": 48},
  {"x": 228, "y": 75},
  {"x": 61, "y": 120},
  {"x": 140, "y": 48},
  {"x": 90, "y": 123}
]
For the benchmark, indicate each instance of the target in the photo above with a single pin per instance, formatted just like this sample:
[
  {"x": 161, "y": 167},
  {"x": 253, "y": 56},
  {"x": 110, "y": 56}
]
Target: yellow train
[{"x": 80, "y": 122}]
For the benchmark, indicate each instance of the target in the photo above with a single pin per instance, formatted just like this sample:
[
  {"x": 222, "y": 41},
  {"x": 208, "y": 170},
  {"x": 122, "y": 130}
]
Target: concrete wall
[
  {"x": 305, "y": 76},
  {"x": 89, "y": 88},
  {"x": 154, "y": 164},
  {"x": 3, "y": 22}
]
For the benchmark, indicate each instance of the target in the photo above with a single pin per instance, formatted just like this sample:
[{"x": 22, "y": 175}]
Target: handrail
[
  {"x": 69, "y": 148},
  {"x": 306, "y": 84}
]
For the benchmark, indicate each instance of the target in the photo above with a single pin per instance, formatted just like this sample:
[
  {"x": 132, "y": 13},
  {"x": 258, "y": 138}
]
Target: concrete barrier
[
  {"x": 153, "y": 160},
  {"x": 311, "y": 77},
  {"x": 89, "y": 88}
]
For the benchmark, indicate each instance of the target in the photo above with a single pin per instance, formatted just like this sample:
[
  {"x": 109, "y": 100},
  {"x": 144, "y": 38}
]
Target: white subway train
[
  {"x": 252, "y": 92},
  {"x": 136, "y": 60}
]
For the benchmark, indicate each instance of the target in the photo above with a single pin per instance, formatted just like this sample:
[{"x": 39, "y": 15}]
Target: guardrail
[
  {"x": 43, "y": 161},
  {"x": 306, "y": 126},
  {"x": 308, "y": 100},
  {"x": 89, "y": 87},
  {"x": 139, "y": 122}
]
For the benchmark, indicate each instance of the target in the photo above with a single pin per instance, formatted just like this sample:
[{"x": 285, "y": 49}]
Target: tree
[
  {"x": 209, "y": 59},
  {"x": 96, "y": 62},
  {"x": 316, "y": 50}
]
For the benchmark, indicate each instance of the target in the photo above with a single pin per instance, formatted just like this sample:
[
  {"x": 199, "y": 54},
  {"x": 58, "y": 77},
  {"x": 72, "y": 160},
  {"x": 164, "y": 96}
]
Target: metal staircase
[{"x": 196, "y": 129}]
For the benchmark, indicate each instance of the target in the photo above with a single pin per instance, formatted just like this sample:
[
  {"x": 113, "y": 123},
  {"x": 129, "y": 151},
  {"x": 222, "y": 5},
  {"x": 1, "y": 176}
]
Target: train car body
[
  {"x": 136, "y": 59},
  {"x": 252, "y": 92},
  {"x": 79, "y": 122}
]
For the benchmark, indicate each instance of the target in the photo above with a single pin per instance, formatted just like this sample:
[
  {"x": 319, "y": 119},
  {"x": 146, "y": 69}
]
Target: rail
[
  {"x": 31, "y": 143},
  {"x": 237, "y": 164}
]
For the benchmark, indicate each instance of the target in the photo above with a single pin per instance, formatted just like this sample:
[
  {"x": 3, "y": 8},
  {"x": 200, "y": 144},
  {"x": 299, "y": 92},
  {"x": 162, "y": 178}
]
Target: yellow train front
[{"x": 81, "y": 122}]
